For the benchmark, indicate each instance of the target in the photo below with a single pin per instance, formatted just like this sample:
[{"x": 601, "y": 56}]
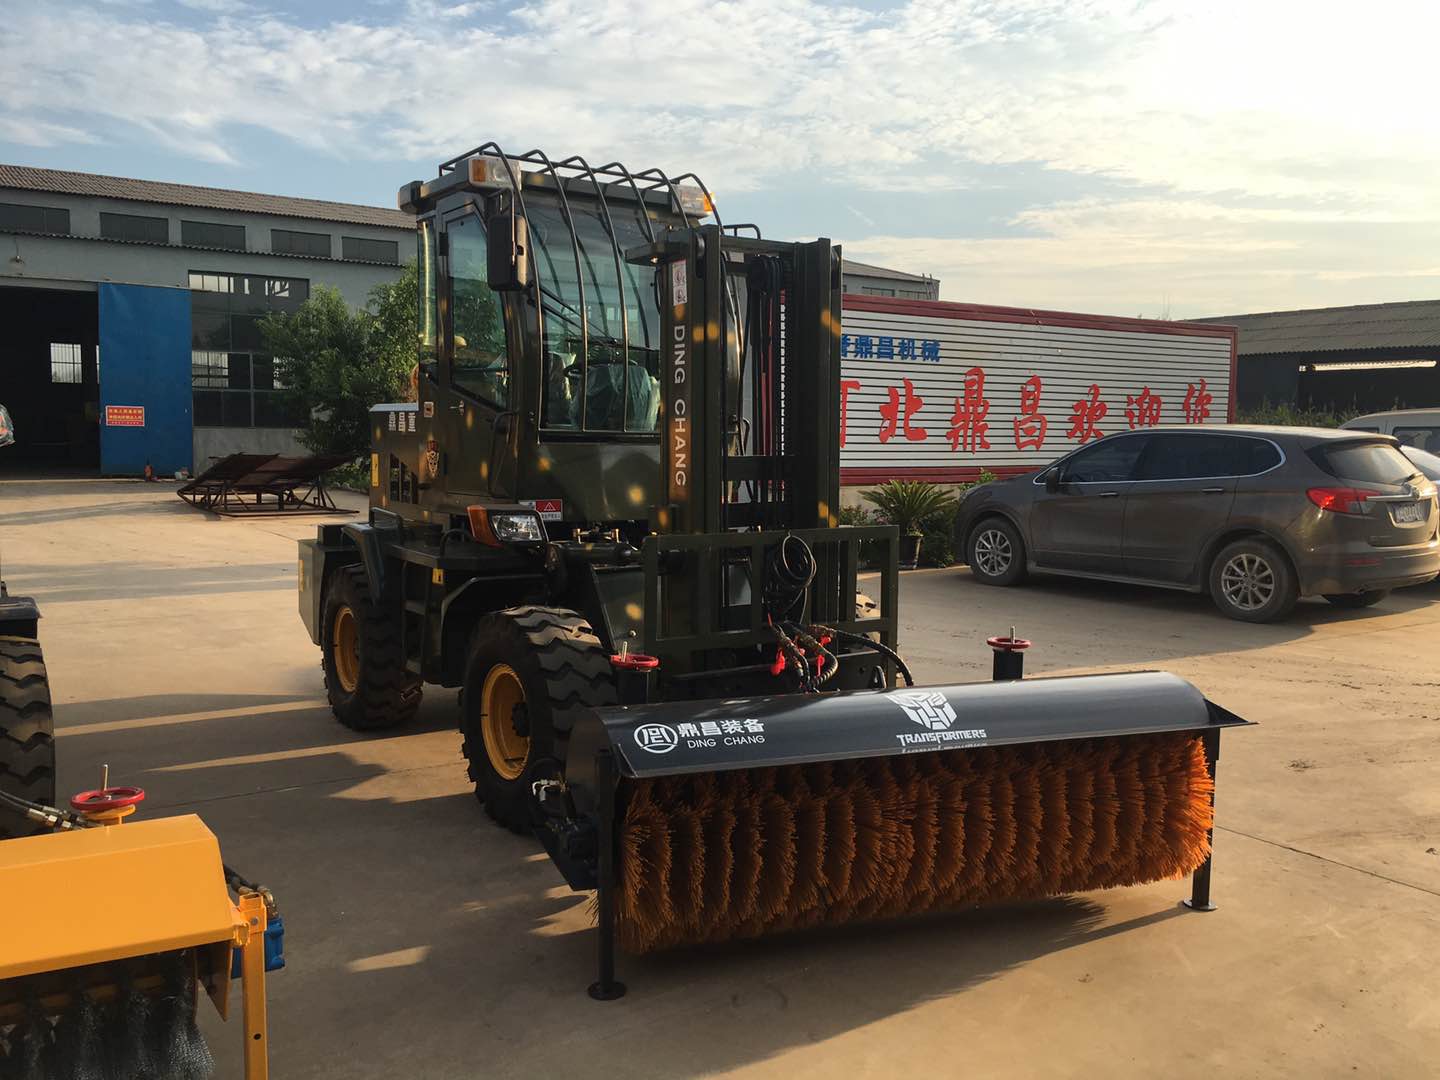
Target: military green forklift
[{"x": 620, "y": 480}]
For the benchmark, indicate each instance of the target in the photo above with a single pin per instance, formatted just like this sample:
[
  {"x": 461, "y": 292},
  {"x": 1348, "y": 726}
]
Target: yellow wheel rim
[
  {"x": 345, "y": 646},
  {"x": 507, "y": 749}
]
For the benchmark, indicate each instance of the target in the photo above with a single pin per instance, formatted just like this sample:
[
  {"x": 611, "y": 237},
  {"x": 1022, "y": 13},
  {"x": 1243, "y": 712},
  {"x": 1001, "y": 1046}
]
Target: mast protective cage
[{"x": 740, "y": 817}]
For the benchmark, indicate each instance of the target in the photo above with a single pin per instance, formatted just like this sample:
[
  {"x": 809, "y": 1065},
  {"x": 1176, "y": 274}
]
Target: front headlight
[
  {"x": 517, "y": 527},
  {"x": 508, "y": 525}
]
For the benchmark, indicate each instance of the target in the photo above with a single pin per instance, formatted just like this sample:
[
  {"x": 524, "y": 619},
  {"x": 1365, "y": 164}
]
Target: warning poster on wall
[{"x": 124, "y": 415}]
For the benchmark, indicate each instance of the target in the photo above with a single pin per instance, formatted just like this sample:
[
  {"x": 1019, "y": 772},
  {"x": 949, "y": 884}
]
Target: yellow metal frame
[{"x": 94, "y": 895}]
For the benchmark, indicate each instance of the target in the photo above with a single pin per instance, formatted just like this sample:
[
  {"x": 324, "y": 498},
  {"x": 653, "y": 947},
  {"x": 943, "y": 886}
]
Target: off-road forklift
[
  {"x": 610, "y": 518},
  {"x": 576, "y": 327}
]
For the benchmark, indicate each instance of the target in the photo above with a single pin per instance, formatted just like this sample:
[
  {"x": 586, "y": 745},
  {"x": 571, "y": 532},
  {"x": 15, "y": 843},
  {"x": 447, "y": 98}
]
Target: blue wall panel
[{"x": 145, "y": 360}]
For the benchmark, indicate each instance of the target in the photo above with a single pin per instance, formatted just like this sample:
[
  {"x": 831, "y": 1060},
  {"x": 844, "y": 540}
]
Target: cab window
[
  {"x": 425, "y": 321},
  {"x": 1424, "y": 438},
  {"x": 479, "y": 364},
  {"x": 601, "y": 347}
]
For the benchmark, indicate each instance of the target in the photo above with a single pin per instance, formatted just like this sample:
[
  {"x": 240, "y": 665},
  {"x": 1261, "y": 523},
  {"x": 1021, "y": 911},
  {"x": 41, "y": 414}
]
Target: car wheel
[
  {"x": 996, "y": 553},
  {"x": 1252, "y": 580},
  {"x": 1357, "y": 599}
]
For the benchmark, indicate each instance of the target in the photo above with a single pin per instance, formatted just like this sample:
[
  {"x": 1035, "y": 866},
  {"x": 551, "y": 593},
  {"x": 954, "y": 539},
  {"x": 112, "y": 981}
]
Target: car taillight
[{"x": 1340, "y": 500}]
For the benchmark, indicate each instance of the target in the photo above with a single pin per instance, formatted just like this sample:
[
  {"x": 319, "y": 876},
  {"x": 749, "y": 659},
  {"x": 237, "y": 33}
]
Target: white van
[{"x": 1413, "y": 427}]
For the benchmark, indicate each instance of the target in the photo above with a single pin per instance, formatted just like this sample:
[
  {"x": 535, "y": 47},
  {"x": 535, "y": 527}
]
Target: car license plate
[{"x": 1410, "y": 513}]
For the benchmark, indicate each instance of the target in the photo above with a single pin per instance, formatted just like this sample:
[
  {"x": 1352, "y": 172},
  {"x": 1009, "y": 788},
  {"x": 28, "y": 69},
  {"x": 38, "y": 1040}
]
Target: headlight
[
  {"x": 498, "y": 527},
  {"x": 517, "y": 528}
]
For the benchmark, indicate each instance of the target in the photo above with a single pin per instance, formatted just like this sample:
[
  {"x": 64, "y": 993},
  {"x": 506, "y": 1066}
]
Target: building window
[
  {"x": 286, "y": 242},
  {"x": 65, "y": 364},
  {"x": 148, "y": 230},
  {"x": 18, "y": 217},
  {"x": 234, "y": 382},
  {"x": 210, "y": 235},
  {"x": 871, "y": 290},
  {"x": 359, "y": 249},
  {"x": 914, "y": 294}
]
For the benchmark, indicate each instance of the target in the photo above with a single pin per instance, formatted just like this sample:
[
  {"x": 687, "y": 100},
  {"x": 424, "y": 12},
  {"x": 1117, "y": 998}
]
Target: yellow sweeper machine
[
  {"x": 110, "y": 929},
  {"x": 610, "y": 518}
]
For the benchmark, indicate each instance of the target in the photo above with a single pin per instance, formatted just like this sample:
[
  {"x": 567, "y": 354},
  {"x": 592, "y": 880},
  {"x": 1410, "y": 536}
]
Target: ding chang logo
[{"x": 656, "y": 738}]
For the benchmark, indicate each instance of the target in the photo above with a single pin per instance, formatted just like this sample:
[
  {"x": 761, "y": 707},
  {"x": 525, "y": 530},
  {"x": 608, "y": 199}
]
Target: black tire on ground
[
  {"x": 1357, "y": 599},
  {"x": 27, "y": 728},
  {"x": 1252, "y": 580},
  {"x": 371, "y": 690},
  {"x": 995, "y": 552},
  {"x": 559, "y": 665}
]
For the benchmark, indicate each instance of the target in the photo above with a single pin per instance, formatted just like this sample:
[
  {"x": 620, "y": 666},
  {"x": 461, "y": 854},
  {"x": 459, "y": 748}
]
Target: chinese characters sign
[
  {"x": 931, "y": 391},
  {"x": 124, "y": 415}
]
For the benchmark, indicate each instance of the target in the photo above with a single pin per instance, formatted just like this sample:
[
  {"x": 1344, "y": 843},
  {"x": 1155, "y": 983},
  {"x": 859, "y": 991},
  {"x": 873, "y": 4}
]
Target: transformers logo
[{"x": 927, "y": 708}]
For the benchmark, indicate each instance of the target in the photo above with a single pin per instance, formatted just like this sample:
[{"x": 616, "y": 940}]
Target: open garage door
[
  {"x": 145, "y": 382},
  {"x": 48, "y": 379}
]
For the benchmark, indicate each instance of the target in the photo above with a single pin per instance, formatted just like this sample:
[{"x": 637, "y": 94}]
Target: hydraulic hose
[{"x": 884, "y": 650}]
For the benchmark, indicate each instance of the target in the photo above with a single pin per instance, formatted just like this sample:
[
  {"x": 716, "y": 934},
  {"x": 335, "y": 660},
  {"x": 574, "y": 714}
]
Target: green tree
[{"x": 336, "y": 363}]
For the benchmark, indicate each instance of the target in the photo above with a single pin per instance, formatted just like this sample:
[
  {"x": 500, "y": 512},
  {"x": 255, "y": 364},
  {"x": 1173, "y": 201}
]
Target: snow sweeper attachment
[
  {"x": 710, "y": 820},
  {"x": 108, "y": 935}
]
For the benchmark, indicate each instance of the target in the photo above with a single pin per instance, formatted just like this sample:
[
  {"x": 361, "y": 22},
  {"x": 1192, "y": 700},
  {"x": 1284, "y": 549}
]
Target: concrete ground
[{"x": 423, "y": 942}]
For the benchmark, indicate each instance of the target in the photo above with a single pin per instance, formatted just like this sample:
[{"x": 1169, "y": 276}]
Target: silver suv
[{"x": 1255, "y": 516}]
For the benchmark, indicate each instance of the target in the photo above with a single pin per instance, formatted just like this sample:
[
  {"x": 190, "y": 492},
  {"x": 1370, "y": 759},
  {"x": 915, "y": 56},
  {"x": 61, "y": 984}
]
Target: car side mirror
[
  {"x": 1052, "y": 481},
  {"x": 507, "y": 244}
]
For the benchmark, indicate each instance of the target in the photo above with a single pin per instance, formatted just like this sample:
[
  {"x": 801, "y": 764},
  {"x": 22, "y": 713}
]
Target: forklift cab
[{"x": 539, "y": 343}]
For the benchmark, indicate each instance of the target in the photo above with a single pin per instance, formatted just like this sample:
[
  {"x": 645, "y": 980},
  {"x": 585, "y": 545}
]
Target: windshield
[
  {"x": 602, "y": 369},
  {"x": 1425, "y": 461},
  {"x": 1364, "y": 463}
]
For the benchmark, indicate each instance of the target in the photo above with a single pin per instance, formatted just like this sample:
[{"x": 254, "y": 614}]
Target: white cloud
[
  {"x": 1218, "y": 107},
  {"x": 1182, "y": 258}
]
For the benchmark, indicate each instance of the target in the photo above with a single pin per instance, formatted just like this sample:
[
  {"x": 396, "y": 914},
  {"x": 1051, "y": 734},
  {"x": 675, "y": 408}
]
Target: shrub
[
  {"x": 907, "y": 503},
  {"x": 1287, "y": 415}
]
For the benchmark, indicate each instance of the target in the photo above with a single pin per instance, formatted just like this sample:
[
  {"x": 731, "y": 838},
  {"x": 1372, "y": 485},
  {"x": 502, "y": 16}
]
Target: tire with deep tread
[
  {"x": 387, "y": 695},
  {"x": 563, "y": 668},
  {"x": 27, "y": 732}
]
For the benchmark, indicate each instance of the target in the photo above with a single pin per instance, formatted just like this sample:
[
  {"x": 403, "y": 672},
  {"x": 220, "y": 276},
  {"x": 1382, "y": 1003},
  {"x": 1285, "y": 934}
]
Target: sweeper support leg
[
  {"x": 1200, "y": 880},
  {"x": 606, "y": 987}
]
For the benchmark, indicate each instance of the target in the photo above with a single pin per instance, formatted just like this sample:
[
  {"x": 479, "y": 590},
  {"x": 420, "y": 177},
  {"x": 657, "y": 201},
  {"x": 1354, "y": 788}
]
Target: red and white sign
[
  {"x": 939, "y": 391},
  {"x": 124, "y": 415},
  {"x": 548, "y": 509}
]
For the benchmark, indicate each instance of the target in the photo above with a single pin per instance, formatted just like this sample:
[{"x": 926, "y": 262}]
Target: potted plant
[{"x": 906, "y": 503}]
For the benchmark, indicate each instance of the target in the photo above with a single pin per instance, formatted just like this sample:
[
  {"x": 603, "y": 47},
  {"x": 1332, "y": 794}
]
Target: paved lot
[{"x": 424, "y": 943}]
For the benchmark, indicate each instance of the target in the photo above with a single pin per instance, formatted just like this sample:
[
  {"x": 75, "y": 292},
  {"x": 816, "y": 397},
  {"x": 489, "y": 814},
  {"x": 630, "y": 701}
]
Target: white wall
[
  {"x": 83, "y": 257},
  {"x": 219, "y": 442}
]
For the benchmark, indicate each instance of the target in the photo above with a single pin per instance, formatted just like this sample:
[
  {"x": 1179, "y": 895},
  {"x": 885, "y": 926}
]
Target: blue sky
[{"x": 1127, "y": 156}]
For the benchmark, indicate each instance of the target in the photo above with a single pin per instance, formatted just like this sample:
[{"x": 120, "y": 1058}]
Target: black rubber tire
[
  {"x": 1014, "y": 572},
  {"x": 1357, "y": 599},
  {"x": 387, "y": 695},
  {"x": 27, "y": 732},
  {"x": 1286, "y": 590},
  {"x": 563, "y": 669}
]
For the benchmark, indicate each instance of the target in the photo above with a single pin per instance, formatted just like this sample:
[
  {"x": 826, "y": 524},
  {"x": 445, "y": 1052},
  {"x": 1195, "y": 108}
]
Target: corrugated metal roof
[
  {"x": 57, "y": 181},
  {"x": 871, "y": 270},
  {"x": 1407, "y": 325}
]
